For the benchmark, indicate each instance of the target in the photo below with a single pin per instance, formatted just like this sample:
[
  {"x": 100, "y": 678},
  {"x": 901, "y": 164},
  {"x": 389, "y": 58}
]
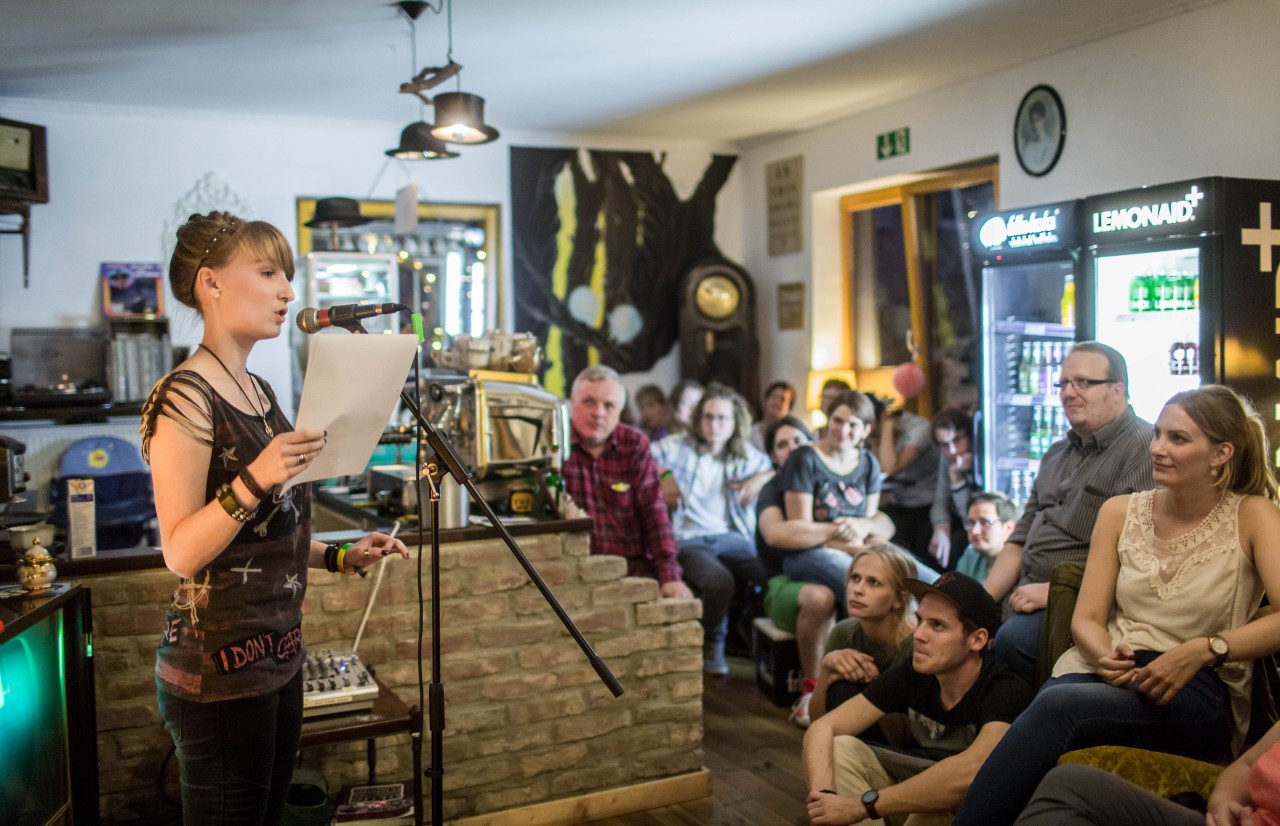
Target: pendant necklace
[{"x": 262, "y": 413}]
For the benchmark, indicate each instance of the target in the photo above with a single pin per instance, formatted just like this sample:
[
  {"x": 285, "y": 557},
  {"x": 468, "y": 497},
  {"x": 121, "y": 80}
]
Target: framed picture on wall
[
  {"x": 1040, "y": 130},
  {"x": 134, "y": 290}
]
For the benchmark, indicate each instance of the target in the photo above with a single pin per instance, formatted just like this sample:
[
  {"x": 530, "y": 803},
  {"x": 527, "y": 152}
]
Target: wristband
[
  {"x": 234, "y": 509},
  {"x": 251, "y": 484},
  {"x": 665, "y": 475},
  {"x": 331, "y": 558},
  {"x": 342, "y": 561}
]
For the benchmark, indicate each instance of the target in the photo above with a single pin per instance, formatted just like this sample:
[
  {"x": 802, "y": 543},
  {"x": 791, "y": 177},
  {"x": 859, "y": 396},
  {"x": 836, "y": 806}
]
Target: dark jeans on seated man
[
  {"x": 1018, "y": 643},
  {"x": 712, "y": 565}
]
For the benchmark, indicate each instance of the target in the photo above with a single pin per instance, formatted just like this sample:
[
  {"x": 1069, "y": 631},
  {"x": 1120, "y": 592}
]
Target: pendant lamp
[{"x": 418, "y": 144}]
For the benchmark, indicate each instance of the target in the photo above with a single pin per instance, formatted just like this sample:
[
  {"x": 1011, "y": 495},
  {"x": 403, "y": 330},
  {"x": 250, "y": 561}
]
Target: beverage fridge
[
  {"x": 1182, "y": 279},
  {"x": 1030, "y": 263}
]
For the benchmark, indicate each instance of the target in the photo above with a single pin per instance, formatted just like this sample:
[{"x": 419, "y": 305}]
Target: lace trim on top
[
  {"x": 184, "y": 398},
  {"x": 1171, "y": 560}
]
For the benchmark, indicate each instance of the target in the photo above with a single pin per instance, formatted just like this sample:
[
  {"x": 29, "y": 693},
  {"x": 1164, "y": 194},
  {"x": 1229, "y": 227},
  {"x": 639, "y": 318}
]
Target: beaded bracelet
[
  {"x": 234, "y": 509},
  {"x": 250, "y": 483}
]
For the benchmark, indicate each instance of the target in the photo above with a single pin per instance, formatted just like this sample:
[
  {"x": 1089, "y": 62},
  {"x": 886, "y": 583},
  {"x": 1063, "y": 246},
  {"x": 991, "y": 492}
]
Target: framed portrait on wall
[
  {"x": 132, "y": 290},
  {"x": 1040, "y": 130}
]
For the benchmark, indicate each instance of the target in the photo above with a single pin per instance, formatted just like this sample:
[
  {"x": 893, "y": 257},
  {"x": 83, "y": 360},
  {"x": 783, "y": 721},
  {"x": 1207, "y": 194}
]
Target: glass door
[{"x": 913, "y": 291}]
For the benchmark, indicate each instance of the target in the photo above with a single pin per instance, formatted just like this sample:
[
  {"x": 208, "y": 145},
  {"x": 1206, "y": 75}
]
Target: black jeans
[{"x": 235, "y": 757}]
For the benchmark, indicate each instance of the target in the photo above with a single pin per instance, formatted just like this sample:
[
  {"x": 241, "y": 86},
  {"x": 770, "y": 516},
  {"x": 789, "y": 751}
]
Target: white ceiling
[{"x": 733, "y": 70}]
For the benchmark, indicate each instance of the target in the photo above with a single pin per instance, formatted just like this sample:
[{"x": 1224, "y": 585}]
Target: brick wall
[{"x": 527, "y": 719}]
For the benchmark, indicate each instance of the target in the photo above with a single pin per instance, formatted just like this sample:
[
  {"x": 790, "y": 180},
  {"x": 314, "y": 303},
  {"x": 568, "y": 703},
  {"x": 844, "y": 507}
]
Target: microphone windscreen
[{"x": 308, "y": 320}]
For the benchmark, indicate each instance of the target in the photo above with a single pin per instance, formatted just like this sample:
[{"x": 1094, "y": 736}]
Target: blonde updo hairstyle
[
  {"x": 213, "y": 240},
  {"x": 1226, "y": 416},
  {"x": 899, "y": 565}
]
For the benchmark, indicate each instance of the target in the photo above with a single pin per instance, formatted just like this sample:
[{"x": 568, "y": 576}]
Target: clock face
[{"x": 717, "y": 297}]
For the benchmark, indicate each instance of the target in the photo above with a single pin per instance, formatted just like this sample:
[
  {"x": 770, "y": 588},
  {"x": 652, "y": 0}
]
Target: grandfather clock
[{"x": 717, "y": 328}]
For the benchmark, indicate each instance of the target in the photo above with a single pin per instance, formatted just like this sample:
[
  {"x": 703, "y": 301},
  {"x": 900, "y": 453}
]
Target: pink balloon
[{"x": 908, "y": 379}]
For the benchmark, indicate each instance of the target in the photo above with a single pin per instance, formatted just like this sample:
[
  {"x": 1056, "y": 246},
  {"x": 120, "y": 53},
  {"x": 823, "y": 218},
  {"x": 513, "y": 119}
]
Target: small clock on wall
[
  {"x": 1040, "y": 130},
  {"x": 717, "y": 297},
  {"x": 24, "y": 172}
]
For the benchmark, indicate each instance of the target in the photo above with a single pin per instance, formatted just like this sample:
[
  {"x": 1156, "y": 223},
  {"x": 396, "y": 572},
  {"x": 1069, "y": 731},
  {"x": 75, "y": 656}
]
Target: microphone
[{"x": 347, "y": 316}]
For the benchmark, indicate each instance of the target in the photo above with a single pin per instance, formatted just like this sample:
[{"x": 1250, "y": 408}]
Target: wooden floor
[{"x": 754, "y": 756}]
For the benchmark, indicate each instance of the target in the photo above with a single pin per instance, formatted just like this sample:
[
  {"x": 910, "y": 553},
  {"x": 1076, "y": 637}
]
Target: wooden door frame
[{"x": 905, "y": 196}]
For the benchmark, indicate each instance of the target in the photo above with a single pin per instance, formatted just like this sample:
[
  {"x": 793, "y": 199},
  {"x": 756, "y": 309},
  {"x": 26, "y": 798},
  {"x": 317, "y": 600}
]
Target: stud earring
[{"x": 217, "y": 293}]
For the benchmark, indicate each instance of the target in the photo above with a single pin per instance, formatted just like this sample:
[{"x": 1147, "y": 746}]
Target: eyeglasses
[
  {"x": 970, "y": 524},
  {"x": 1081, "y": 384}
]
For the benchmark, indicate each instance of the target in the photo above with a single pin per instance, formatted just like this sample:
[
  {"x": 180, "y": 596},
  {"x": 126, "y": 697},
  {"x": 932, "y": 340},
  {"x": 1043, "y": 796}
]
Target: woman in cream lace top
[{"x": 1162, "y": 626}]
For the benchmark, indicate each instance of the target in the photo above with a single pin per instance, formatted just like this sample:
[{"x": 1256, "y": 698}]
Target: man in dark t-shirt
[{"x": 958, "y": 702}]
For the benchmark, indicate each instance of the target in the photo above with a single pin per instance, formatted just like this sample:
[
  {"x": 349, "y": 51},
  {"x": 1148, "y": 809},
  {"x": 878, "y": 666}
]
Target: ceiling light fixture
[
  {"x": 460, "y": 115},
  {"x": 416, "y": 141}
]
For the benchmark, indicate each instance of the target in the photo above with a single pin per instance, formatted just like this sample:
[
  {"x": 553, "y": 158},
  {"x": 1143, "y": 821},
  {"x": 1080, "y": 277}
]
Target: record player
[{"x": 59, "y": 366}]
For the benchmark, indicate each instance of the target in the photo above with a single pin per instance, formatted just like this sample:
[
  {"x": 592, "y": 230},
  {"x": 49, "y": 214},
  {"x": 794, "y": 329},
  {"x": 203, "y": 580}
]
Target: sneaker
[
  {"x": 713, "y": 661},
  {"x": 800, "y": 711}
]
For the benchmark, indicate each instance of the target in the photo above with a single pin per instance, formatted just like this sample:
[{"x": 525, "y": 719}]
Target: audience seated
[
  {"x": 1162, "y": 628},
  {"x": 990, "y": 521},
  {"x": 651, "y": 409},
  {"x": 613, "y": 478},
  {"x": 959, "y": 702},
  {"x": 779, "y": 398},
  {"x": 956, "y": 483},
  {"x": 832, "y": 495},
  {"x": 876, "y": 634},
  {"x": 831, "y": 389},
  {"x": 1106, "y": 453},
  {"x": 711, "y": 478},
  {"x": 806, "y": 609},
  {"x": 680, "y": 405},
  {"x": 909, "y": 460}
]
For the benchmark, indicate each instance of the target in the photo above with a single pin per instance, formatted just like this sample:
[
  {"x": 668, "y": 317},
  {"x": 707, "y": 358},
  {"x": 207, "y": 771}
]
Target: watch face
[
  {"x": 1219, "y": 646},
  {"x": 717, "y": 297}
]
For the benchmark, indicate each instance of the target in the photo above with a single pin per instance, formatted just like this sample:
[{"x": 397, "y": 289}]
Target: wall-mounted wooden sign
[{"x": 784, "y": 185}]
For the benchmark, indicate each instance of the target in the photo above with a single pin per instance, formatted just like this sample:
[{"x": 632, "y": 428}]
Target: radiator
[{"x": 46, "y": 443}]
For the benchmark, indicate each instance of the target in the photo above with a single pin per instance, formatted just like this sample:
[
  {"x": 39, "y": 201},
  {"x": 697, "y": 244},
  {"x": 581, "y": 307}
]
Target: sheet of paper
[{"x": 351, "y": 389}]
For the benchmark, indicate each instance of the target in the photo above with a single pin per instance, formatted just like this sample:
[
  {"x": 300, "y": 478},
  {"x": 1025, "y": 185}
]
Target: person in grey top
[{"x": 1104, "y": 454}]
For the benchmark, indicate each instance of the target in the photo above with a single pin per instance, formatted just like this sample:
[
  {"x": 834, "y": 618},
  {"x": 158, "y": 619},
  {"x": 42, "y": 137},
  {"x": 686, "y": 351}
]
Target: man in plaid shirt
[{"x": 611, "y": 474}]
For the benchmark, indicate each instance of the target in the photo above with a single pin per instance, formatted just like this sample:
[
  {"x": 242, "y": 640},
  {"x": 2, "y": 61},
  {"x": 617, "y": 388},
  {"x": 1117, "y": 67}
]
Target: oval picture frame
[{"x": 1039, "y": 130}]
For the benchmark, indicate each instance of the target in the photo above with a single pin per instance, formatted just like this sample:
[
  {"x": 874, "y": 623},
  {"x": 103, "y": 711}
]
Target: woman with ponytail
[{"x": 1164, "y": 628}]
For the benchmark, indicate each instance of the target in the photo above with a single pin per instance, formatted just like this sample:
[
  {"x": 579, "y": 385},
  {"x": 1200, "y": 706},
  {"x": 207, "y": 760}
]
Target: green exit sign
[{"x": 892, "y": 144}]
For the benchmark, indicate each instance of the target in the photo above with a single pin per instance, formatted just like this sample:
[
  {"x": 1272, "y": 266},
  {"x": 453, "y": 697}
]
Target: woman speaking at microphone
[{"x": 228, "y": 669}]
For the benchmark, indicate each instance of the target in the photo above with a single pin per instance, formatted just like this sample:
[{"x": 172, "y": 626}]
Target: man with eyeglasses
[
  {"x": 1104, "y": 454},
  {"x": 991, "y": 519}
]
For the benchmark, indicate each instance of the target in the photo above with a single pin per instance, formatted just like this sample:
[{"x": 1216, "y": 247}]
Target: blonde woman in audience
[
  {"x": 877, "y": 633},
  {"x": 1164, "y": 639}
]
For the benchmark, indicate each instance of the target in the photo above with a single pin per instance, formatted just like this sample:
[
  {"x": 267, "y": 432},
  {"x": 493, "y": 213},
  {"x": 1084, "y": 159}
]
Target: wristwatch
[
  {"x": 1220, "y": 650},
  {"x": 869, "y": 799}
]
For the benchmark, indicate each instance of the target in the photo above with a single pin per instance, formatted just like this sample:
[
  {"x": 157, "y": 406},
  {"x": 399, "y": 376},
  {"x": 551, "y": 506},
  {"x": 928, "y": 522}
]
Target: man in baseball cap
[{"x": 958, "y": 703}]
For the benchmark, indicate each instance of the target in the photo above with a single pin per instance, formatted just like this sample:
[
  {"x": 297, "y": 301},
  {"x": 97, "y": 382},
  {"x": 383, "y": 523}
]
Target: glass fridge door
[
  {"x": 1148, "y": 308},
  {"x": 1029, "y": 324},
  {"x": 330, "y": 279}
]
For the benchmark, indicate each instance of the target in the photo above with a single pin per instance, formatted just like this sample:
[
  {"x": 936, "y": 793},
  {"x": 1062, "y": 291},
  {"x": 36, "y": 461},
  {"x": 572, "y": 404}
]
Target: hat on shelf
[{"x": 337, "y": 212}]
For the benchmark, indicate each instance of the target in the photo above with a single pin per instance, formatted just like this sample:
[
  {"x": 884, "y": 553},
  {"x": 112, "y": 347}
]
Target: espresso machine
[{"x": 508, "y": 431}]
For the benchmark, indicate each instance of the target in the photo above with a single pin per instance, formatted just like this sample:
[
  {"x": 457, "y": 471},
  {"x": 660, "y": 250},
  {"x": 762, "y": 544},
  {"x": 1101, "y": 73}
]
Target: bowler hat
[{"x": 337, "y": 212}]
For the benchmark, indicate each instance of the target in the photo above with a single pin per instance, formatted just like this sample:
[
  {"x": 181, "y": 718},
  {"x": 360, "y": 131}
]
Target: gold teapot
[{"x": 36, "y": 571}]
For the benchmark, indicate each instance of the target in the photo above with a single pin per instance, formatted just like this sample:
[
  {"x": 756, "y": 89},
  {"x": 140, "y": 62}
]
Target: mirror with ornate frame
[{"x": 449, "y": 268}]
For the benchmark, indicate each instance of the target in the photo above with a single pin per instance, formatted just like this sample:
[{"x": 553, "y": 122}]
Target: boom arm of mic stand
[{"x": 453, "y": 465}]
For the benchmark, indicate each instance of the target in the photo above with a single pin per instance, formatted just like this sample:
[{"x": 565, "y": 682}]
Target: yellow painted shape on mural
[
  {"x": 597, "y": 283},
  {"x": 566, "y": 202}
]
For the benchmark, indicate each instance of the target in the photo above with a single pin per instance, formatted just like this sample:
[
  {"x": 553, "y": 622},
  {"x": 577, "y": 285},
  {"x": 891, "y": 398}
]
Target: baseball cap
[{"x": 964, "y": 593}]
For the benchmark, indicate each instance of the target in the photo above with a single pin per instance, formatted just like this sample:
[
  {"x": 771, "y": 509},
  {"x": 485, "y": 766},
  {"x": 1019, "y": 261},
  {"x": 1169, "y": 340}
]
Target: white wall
[
  {"x": 116, "y": 175},
  {"x": 1188, "y": 96}
]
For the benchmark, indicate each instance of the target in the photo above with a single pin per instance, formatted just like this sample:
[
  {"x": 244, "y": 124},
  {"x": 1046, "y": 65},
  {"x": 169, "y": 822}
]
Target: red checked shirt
[{"x": 621, "y": 491}]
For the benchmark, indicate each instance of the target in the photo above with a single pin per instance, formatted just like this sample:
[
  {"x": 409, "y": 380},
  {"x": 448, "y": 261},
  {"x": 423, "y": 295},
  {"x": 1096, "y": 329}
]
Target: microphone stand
[{"x": 446, "y": 461}]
